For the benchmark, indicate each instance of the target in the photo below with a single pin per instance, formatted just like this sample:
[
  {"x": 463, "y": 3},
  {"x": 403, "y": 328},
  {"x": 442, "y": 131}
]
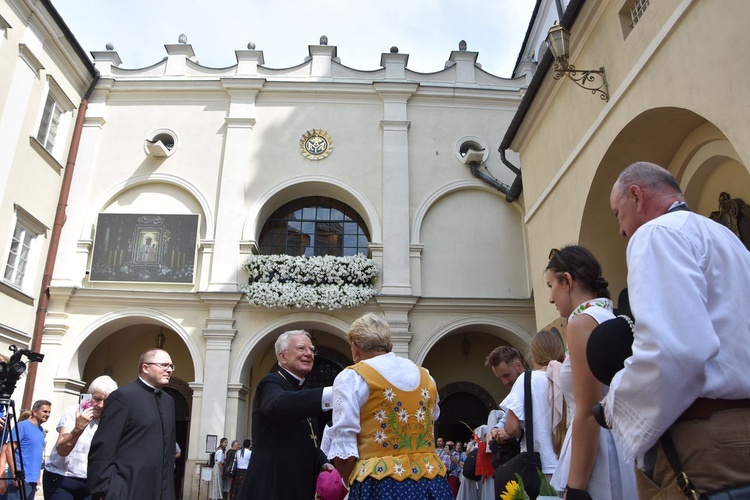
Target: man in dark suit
[
  {"x": 132, "y": 453},
  {"x": 286, "y": 459}
]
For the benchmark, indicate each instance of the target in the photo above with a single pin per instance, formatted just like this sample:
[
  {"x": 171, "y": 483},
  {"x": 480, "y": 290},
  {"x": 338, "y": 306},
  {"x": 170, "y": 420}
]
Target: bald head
[{"x": 643, "y": 192}]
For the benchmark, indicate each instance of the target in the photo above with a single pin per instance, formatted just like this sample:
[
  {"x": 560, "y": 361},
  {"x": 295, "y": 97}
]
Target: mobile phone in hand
[{"x": 85, "y": 401}]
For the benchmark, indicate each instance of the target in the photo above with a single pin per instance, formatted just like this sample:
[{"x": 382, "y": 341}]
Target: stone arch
[
  {"x": 668, "y": 136},
  {"x": 711, "y": 167},
  {"x": 107, "y": 198},
  {"x": 260, "y": 341},
  {"x": 308, "y": 185},
  {"x": 476, "y": 390},
  {"x": 78, "y": 351},
  {"x": 498, "y": 327},
  {"x": 462, "y": 404},
  {"x": 182, "y": 387},
  {"x": 443, "y": 216},
  {"x": 435, "y": 196}
]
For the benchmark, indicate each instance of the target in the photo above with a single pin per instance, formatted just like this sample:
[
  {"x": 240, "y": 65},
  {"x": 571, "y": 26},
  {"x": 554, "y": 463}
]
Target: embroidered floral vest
[{"x": 396, "y": 439}]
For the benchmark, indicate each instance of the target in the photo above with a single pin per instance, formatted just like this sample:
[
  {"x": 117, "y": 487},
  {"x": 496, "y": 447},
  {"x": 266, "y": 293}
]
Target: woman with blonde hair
[
  {"x": 544, "y": 348},
  {"x": 547, "y": 352},
  {"x": 384, "y": 407}
]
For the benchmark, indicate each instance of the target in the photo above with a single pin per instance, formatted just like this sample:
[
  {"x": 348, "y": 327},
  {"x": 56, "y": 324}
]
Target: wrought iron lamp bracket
[{"x": 589, "y": 79}]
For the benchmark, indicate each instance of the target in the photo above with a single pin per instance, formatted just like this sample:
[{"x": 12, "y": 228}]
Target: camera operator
[
  {"x": 65, "y": 471},
  {"x": 31, "y": 443}
]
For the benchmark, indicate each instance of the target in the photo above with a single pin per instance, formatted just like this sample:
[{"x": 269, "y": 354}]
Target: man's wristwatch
[{"x": 598, "y": 410}]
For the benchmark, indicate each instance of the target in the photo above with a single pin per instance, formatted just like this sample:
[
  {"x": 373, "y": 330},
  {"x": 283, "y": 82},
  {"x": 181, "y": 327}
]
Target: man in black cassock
[
  {"x": 132, "y": 452},
  {"x": 286, "y": 459}
]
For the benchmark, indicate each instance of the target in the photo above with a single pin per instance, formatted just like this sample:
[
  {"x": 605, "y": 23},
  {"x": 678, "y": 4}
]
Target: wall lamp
[
  {"x": 160, "y": 339},
  {"x": 558, "y": 40},
  {"x": 466, "y": 345}
]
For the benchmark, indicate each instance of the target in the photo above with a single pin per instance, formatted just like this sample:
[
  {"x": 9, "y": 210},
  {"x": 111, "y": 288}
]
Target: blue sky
[{"x": 427, "y": 30}]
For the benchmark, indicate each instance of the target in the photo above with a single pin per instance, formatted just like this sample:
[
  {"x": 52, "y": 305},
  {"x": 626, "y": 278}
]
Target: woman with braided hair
[{"x": 589, "y": 465}]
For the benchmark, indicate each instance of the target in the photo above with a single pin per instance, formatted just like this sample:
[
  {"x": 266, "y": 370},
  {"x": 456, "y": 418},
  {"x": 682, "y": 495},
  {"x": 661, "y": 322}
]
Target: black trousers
[{"x": 57, "y": 487}]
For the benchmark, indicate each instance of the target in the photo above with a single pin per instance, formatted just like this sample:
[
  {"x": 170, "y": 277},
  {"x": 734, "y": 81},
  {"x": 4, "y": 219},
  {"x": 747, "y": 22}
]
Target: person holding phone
[{"x": 65, "y": 471}]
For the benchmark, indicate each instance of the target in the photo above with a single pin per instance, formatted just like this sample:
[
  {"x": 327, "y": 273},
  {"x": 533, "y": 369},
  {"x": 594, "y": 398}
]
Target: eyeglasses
[
  {"x": 555, "y": 254},
  {"x": 301, "y": 350},
  {"x": 164, "y": 366}
]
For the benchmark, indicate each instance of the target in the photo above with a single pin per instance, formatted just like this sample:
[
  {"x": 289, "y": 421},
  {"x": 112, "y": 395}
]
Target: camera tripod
[{"x": 8, "y": 410}]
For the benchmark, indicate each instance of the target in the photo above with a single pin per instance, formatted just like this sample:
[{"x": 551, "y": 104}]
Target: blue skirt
[{"x": 390, "y": 489}]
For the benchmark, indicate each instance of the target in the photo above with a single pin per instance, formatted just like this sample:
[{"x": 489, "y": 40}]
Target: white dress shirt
[{"x": 688, "y": 280}]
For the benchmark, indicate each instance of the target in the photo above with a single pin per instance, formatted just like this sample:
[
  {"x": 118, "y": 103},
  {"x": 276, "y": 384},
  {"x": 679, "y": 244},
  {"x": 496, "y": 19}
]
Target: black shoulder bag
[
  {"x": 527, "y": 462},
  {"x": 230, "y": 464},
  {"x": 470, "y": 465}
]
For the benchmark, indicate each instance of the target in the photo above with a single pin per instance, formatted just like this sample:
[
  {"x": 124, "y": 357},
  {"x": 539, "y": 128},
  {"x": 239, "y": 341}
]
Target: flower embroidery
[
  {"x": 403, "y": 416},
  {"x": 404, "y": 424},
  {"x": 398, "y": 468},
  {"x": 603, "y": 303},
  {"x": 379, "y": 436}
]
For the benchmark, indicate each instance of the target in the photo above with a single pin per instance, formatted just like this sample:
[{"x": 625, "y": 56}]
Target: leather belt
[{"x": 703, "y": 408}]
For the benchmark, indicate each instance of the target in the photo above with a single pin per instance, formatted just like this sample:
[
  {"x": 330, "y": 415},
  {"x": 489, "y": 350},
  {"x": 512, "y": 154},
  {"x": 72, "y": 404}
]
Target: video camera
[{"x": 12, "y": 369}]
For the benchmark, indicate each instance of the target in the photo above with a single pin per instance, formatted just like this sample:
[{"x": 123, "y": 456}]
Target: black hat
[
  {"x": 609, "y": 345},
  {"x": 623, "y": 304}
]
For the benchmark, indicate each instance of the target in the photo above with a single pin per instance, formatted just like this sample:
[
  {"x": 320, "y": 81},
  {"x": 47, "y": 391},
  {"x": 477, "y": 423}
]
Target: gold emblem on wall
[{"x": 316, "y": 144}]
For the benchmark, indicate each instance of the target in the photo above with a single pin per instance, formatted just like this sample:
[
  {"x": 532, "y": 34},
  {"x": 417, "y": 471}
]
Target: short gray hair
[
  {"x": 282, "y": 343},
  {"x": 647, "y": 176},
  {"x": 102, "y": 385}
]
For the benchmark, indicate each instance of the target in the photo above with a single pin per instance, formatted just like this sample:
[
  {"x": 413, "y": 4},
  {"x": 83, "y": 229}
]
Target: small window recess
[
  {"x": 4, "y": 27},
  {"x": 631, "y": 13},
  {"x": 470, "y": 149},
  {"x": 161, "y": 144}
]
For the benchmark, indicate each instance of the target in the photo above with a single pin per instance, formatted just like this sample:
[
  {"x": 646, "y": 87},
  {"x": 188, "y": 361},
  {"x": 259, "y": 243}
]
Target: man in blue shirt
[{"x": 31, "y": 441}]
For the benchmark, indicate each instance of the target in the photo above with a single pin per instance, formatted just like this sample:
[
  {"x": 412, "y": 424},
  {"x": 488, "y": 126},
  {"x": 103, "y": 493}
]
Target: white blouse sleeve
[{"x": 350, "y": 392}]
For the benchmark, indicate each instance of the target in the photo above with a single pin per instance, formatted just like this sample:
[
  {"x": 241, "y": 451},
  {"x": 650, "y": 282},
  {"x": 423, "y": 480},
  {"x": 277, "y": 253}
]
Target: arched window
[{"x": 314, "y": 225}]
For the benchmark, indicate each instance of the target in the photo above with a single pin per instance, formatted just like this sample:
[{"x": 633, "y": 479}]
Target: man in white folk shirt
[{"x": 687, "y": 379}]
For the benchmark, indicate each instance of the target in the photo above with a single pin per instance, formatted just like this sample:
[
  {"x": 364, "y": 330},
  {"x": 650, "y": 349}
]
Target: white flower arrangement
[{"x": 325, "y": 282}]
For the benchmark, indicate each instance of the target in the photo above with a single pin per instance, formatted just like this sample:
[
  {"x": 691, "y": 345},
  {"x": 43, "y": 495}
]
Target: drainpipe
[
  {"x": 500, "y": 186},
  {"x": 566, "y": 20},
  {"x": 41, "y": 312},
  {"x": 515, "y": 189}
]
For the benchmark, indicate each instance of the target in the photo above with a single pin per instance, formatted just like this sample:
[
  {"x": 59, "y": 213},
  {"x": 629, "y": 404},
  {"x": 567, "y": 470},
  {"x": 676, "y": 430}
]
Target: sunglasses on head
[{"x": 554, "y": 254}]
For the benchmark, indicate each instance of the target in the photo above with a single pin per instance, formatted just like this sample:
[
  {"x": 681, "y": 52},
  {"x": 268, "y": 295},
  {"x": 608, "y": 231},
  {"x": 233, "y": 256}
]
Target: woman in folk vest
[{"x": 384, "y": 408}]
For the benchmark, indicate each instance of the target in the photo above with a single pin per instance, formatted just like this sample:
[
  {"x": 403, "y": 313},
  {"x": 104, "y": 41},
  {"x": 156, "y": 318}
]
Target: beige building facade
[
  {"x": 185, "y": 172},
  {"x": 44, "y": 75},
  {"x": 675, "y": 71}
]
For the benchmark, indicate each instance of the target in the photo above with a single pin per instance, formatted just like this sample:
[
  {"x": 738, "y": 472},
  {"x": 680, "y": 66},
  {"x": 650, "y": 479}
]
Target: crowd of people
[
  {"x": 669, "y": 393},
  {"x": 228, "y": 472}
]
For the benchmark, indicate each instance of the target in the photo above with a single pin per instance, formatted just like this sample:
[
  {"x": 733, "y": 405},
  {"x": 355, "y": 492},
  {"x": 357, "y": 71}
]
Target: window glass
[
  {"x": 49, "y": 124},
  {"x": 15, "y": 267},
  {"x": 315, "y": 225}
]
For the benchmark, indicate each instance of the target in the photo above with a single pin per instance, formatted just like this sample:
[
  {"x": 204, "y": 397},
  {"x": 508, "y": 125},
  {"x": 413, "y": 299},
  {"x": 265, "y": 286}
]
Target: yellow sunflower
[{"x": 514, "y": 491}]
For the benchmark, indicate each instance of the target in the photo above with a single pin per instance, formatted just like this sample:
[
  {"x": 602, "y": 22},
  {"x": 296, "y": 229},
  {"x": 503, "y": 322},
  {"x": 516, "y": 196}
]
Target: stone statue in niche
[{"x": 734, "y": 214}]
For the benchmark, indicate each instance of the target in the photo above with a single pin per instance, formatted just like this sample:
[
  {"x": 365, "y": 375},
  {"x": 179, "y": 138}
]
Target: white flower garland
[{"x": 325, "y": 282}]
